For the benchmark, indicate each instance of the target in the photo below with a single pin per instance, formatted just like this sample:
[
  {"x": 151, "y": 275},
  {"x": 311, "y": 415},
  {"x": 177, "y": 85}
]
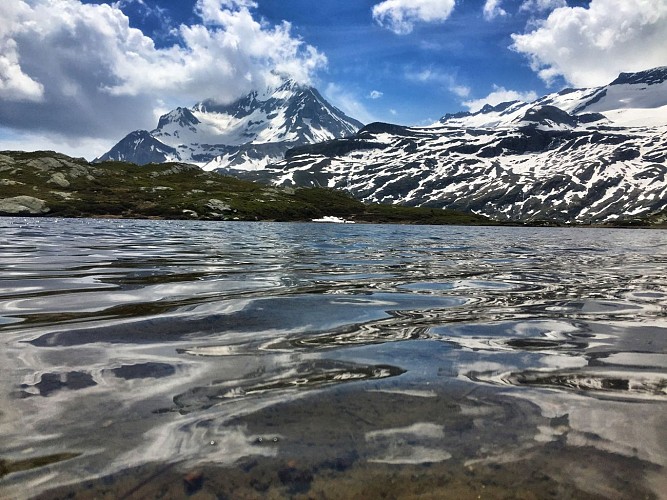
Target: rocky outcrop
[{"x": 23, "y": 205}]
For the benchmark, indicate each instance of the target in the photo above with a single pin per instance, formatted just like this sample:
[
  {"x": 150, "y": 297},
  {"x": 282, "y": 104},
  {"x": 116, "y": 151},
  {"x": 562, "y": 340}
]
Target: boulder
[
  {"x": 23, "y": 205},
  {"x": 218, "y": 205},
  {"x": 59, "y": 180}
]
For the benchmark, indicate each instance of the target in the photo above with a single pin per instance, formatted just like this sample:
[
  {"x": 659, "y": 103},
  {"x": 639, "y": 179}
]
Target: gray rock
[
  {"x": 27, "y": 205},
  {"x": 6, "y": 160},
  {"x": 59, "y": 180},
  {"x": 44, "y": 164},
  {"x": 218, "y": 205}
]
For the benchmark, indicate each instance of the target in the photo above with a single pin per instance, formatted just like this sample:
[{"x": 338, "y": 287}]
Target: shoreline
[{"x": 553, "y": 225}]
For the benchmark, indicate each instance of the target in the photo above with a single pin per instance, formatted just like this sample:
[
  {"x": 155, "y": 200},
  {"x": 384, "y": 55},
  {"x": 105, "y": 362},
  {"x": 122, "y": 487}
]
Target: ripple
[
  {"x": 304, "y": 376},
  {"x": 617, "y": 383},
  {"x": 351, "y": 341}
]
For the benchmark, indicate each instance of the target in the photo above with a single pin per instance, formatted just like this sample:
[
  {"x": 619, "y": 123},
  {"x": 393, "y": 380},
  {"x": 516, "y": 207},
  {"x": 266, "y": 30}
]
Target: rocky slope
[
  {"x": 581, "y": 155},
  {"x": 246, "y": 135}
]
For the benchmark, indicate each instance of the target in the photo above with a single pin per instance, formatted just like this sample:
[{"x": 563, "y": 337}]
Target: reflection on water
[{"x": 145, "y": 356}]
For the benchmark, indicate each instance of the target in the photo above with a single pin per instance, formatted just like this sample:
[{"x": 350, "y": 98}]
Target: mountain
[
  {"x": 246, "y": 134},
  {"x": 632, "y": 99},
  {"x": 579, "y": 155}
]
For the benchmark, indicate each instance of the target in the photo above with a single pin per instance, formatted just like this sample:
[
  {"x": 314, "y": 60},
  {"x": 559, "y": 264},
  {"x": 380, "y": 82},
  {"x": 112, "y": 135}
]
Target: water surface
[{"x": 153, "y": 358}]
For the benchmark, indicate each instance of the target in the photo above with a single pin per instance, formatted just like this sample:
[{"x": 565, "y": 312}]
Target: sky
[{"x": 77, "y": 75}]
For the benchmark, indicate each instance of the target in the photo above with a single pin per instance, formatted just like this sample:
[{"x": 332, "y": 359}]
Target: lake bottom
[{"x": 377, "y": 444}]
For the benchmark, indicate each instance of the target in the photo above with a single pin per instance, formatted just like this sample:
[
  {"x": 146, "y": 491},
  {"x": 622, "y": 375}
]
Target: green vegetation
[
  {"x": 658, "y": 220},
  {"x": 9, "y": 466},
  {"x": 58, "y": 185}
]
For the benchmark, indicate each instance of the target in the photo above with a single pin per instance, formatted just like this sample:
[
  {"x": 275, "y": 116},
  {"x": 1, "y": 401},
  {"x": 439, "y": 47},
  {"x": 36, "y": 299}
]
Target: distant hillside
[{"x": 52, "y": 184}]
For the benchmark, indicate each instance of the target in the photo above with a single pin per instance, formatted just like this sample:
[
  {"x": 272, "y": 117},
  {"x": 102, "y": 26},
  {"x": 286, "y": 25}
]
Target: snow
[
  {"x": 639, "y": 117},
  {"x": 627, "y": 105}
]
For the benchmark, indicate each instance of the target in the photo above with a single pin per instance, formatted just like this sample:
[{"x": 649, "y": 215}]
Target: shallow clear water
[{"x": 330, "y": 352}]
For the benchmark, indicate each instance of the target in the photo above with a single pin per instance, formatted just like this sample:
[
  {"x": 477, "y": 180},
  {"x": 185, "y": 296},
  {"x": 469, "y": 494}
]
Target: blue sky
[{"x": 77, "y": 75}]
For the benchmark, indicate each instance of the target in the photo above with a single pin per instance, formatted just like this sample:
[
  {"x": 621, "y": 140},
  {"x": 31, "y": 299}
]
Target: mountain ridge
[{"x": 569, "y": 157}]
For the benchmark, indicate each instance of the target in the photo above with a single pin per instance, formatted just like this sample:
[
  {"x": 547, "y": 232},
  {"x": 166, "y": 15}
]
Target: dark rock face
[
  {"x": 182, "y": 116},
  {"x": 648, "y": 77},
  {"x": 139, "y": 147}
]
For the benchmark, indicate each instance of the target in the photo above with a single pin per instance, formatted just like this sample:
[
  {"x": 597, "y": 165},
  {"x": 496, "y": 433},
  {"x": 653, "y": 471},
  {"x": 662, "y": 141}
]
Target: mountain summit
[{"x": 247, "y": 134}]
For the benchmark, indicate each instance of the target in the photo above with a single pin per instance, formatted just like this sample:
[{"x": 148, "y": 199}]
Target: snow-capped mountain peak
[
  {"x": 181, "y": 117},
  {"x": 248, "y": 133}
]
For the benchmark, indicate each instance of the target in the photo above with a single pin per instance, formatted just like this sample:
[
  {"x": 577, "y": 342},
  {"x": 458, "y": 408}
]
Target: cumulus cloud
[
  {"x": 499, "y": 95},
  {"x": 77, "y": 70},
  {"x": 375, "y": 94},
  {"x": 590, "y": 46},
  {"x": 492, "y": 9},
  {"x": 542, "y": 5},
  {"x": 400, "y": 16},
  {"x": 443, "y": 79}
]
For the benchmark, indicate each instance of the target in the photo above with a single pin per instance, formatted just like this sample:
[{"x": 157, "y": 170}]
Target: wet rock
[{"x": 20, "y": 205}]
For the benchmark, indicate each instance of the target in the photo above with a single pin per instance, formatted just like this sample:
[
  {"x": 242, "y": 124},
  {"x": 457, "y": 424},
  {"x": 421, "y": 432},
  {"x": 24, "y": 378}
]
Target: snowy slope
[
  {"x": 633, "y": 99},
  {"x": 247, "y": 134},
  {"x": 567, "y": 157}
]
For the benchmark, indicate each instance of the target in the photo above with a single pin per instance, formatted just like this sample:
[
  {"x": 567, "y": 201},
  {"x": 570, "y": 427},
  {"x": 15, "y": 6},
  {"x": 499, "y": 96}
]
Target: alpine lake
[{"x": 175, "y": 359}]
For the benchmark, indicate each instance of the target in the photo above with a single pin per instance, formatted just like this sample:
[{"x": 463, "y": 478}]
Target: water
[{"x": 145, "y": 359}]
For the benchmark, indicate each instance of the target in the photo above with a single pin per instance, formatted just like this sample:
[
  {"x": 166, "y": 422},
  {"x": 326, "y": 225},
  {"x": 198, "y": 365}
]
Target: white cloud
[
  {"x": 400, "y": 16},
  {"x": 375, "y": 94},
  {"x": 393, "y": 112},
  {"x": 542, "y": 5},
  {"x": 348, "y": 102},
  {"x": 445, "y": 80},
  {"x": 82, "y": 147},
  {"x": 499, "y": 95},
  {"x": 591, "y": 46},
  {"x": 492, "y": 9},
  {"x": 79, "y": 71}
]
